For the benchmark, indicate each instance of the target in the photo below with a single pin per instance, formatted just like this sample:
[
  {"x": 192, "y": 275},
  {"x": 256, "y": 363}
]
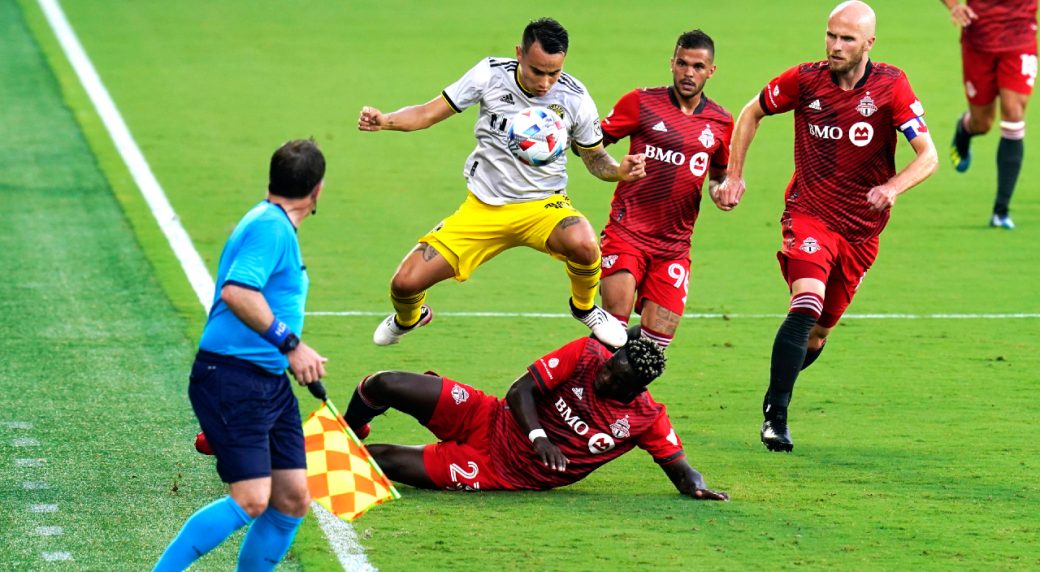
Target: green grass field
[{"x": 913, "y": 434}]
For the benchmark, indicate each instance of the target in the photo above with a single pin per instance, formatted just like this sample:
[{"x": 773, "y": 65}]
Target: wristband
[
  {"x": 277, "y": 333},
  {"x": 536, "y": 433}
]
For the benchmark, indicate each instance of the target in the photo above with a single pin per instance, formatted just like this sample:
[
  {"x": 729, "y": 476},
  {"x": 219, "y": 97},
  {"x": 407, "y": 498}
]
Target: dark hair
[
  {"x": 695, "y": 40},
  {"x": 296, "y": 168},
  {"x": 547, "y": 32},
  {"x": 646, "y": 359}
]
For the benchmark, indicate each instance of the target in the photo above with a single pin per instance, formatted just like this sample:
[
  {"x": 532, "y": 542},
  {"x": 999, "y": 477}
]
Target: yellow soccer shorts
[{"x": 478, "y": 232}]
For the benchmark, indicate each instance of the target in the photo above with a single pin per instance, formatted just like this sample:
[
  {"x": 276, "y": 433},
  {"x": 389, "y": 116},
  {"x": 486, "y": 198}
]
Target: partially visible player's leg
[
  {"x": 662, "y": 298},
  {"x": 1010, "y": 153},
  {"x": 423, "y": 267},
  {"x": 817, "y": 341},
  {"x": 403, "y": 464},
  {"x": 619, "y": 294},
  {"x": 574, "y": 240},
  {"x": 980, "y": 89}
]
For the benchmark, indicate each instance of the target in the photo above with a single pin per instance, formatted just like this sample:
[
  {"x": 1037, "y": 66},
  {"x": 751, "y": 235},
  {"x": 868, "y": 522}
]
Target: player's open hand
[
  {"x": 370, "y": 119},
  {"x": 632, "y": 167},
  {"x": 962, "y": 15},
  {"x": 550, "y": 454},
  {"x": 306, "y": 365},
  {"x": 727, "y": 195},
  {"x": 882, "y": 197},
  {"x": 708, "y": 494}
]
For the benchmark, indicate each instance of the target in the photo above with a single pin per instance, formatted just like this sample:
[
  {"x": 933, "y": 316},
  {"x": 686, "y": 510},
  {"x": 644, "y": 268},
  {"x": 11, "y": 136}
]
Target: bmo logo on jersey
[
  {"x": 860, "y": 134},
  {"x": 698, "y": 162}
]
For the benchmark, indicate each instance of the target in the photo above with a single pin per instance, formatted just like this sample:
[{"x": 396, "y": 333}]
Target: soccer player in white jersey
[{"x": 509, "y": 203}]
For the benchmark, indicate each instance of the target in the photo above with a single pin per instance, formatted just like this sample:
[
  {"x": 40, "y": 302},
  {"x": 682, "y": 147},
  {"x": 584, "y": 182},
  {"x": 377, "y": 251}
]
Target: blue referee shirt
[{"x": 262, "y": 254}]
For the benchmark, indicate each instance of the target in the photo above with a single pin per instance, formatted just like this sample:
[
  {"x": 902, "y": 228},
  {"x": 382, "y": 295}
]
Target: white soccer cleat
[
  {"x": 389, "y": 332},
  {"x": 605, "y": 328},
  {"x": 1004, "y": 222}
]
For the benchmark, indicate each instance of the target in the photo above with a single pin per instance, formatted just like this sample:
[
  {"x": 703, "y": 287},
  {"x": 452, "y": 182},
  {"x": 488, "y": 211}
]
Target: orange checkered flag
[{"x": 341, "y": 475}]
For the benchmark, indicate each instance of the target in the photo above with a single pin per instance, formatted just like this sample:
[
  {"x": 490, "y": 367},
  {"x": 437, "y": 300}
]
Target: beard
[{"x": 845, "y": 66}]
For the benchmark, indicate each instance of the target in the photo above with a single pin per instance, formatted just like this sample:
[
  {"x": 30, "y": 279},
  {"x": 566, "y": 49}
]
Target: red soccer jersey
[
  {"x": 590, "y": 430},
  {"x": 657, "y": 212},
  {"x": 1002, "y": 25},
  {"x": 845, "y": 141}
]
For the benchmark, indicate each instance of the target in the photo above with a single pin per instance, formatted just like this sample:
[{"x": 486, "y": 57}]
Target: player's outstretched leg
[{"x": 412, "y": 393}]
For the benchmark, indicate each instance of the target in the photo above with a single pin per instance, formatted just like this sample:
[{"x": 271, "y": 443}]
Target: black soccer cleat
[{"x": 776, "y": 436}]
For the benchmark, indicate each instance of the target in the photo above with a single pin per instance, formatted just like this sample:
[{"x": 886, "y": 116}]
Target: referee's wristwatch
[{"x": 289, "y": 344}]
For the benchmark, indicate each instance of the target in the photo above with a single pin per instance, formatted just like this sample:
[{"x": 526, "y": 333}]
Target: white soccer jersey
[{"x": 492, "y": 173}]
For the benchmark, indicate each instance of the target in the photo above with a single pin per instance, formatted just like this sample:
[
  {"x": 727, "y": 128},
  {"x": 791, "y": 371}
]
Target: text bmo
[
  {"x": 698, "y": 161},
  {"x": 859, "y": 134}
]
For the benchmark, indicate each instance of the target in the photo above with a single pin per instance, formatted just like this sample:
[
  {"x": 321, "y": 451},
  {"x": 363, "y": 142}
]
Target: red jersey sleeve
[
  {"x": 720, "y": 159},
  {"x": 907, "y": 111},
  {"x": 623, "y": 119},
  {"x": 661, "y": 441},
  {"x": 557, "y": 366},
  {"x": 781, "y": 94}
]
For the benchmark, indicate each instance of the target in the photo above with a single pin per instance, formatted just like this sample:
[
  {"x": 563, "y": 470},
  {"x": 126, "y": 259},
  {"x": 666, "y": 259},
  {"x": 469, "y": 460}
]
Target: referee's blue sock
[
  {"x": 267, "y": 540},
  {"x": 203, "y": 531}
]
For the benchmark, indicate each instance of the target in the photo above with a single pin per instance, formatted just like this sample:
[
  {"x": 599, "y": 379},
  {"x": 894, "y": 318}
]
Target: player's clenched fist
[
  {"x": 632, "y": 167},
  {"x": 370, "y": 119},
  {"x": 728, "y": 194}
]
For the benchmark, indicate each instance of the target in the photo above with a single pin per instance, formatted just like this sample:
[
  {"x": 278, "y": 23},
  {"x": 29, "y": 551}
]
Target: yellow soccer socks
[
  {"x": 408, "y": 308},
  {"x": 584, "y": 283}
]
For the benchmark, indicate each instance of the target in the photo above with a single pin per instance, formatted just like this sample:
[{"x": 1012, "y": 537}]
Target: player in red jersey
[
  {"x": 847, "y": 111},
  {"x": 574, "y": 410},
  {"x": 646, "y": 243},
  {"x": 998, "y": 55}
]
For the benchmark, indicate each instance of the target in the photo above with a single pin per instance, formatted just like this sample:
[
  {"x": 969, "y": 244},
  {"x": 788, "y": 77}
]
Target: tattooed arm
[{"x": 604, "y": 167}]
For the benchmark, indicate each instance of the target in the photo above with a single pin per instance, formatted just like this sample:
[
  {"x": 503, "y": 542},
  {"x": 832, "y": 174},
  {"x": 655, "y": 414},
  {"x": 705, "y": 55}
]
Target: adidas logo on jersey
[
  {"x": 815, "y": 105},
  {"x": 661, "y": 127},
  {"x": 578, "y": 391},
  {"x": 507, "y": 98}
]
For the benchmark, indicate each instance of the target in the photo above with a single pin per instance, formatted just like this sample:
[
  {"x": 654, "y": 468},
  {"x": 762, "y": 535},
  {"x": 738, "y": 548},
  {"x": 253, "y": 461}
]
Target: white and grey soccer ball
[{"x": 537, "y": 136}]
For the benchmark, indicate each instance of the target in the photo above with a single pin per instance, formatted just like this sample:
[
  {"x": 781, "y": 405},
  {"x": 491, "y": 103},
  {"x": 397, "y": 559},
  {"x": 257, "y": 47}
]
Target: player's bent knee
[
  {"x": 406, "y": 282},
  {"x": 584, "y": 252},
  {"x": 254, "y": 506}
]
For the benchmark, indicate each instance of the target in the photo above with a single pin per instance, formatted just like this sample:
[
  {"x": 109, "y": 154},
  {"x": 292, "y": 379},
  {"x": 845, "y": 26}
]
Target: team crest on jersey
[
  {"x": 809, "y": 245},
  {"x": 553, "y": 362},
  {"x": 707, "y": 138},
  {"x": 609, "y": 260},
  {"x": 459, "y": 394},
  {"x": 579, "y": 392},
  {"x": 557, "y": 108},
  {"x": 866, "y": 106},
  {"x": 621, "y": 428}
]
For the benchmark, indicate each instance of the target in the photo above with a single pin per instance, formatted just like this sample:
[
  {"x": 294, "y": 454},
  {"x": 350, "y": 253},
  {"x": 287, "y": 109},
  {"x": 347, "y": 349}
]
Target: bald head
[
  {"x": 850, "y": 36},
  {"x": 857, "y": 14}
]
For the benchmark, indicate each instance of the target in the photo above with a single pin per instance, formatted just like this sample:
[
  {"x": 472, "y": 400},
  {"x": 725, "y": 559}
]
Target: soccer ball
[{"x": 537, "y": 136}]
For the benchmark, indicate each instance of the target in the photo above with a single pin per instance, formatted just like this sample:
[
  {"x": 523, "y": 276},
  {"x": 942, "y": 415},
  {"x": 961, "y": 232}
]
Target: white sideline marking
[
  {"x": 35, "y": 486},
  {"x": 343, "y": 540},
  {"x": 28, "y": 462},
  {"x": 56, "y": 556},
  {"x": 336, "y": 530},
  {"x": 153, "y": 194},
  {"x": 25, "y": 442},
  {"x": 706, "y": 316},
  {"x": 49, "y": 530},
  {"x": 16, "y": 424},
  {"x": 43, "y": 508}
]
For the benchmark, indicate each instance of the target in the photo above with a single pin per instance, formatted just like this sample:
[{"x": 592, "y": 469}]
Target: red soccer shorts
[
  {"x": 811, "y": 250},
  {"x": 462, "y": 421},
  {"x": 987, "y": 72},
  {"x": 663, "y": 281}
]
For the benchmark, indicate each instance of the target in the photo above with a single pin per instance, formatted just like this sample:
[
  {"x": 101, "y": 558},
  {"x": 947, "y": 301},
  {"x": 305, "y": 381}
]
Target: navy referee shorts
[{"x": 249, "y": 415}]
